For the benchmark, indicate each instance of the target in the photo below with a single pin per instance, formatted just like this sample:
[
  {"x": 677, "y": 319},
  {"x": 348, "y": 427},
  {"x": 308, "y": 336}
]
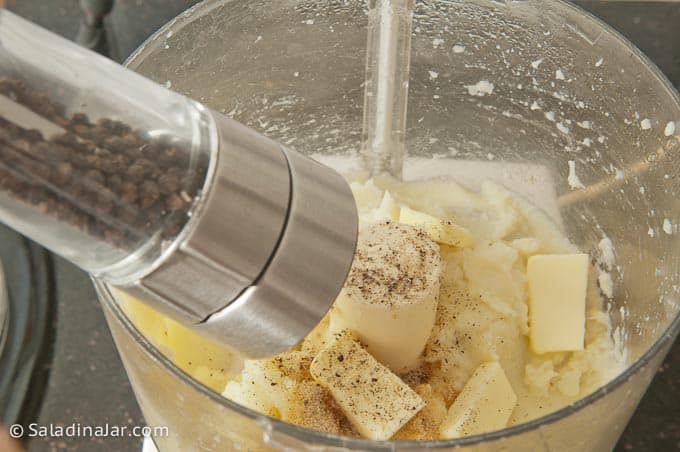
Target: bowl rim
[
  {"x": 4, "y": 309},
  {"x": 665, "y": 339}
]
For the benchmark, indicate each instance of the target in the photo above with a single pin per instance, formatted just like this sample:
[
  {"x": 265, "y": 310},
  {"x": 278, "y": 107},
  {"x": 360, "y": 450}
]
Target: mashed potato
[{"x": 482, "y": 316}]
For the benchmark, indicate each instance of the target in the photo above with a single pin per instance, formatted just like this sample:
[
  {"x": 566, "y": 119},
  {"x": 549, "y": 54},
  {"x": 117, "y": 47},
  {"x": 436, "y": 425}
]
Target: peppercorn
[
  {"x": 174, "y": 202},
  {"x": 104, "y": 178},
  {"x": 149, "y": 193}
]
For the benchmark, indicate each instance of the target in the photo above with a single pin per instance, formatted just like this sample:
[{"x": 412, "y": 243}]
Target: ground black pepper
[{"x": 103, "y": 177}]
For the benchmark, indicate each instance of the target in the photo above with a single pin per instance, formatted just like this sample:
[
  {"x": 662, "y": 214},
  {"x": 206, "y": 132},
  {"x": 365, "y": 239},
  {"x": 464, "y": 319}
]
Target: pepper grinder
[{"x": 196, "y": 215}]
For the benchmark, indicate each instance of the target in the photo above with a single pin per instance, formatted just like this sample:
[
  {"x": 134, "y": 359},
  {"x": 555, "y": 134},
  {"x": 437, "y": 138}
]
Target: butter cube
[
  {"x": 388, "y": 208},
  {"x": 366, "y": 194},
  {"x": 441, "y": 231},
  {"x": 485, "y": 404},
  {"x": 557, "y": 301},
  {"x": 376, "y": 401}
]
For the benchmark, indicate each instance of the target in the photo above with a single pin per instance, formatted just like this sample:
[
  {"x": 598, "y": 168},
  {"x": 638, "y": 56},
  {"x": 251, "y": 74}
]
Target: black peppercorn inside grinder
[{"x": 200, "y": 217}]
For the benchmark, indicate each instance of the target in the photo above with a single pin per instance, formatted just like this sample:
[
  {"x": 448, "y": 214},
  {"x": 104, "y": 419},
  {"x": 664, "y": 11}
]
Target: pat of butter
[
  {"x": 388, "y": 210},
  {"x": 441, "y": 231},
  {"x": 485, "y": 404},
  {"x": 376, "y": 401},
  {"x": 557, "y": 301}
]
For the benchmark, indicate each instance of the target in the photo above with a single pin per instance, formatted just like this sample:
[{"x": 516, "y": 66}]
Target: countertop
[{"x": 87, "y": 383}]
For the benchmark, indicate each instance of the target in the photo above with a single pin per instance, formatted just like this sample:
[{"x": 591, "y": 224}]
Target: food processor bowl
[{"x": 536, "y": 95}]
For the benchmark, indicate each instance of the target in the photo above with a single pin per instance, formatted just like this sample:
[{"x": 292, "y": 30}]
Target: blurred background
[{"x": 63, "y": 367}]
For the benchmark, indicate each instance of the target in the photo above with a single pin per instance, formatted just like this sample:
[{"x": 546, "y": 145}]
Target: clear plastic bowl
[{"x": 566, "y": 88}]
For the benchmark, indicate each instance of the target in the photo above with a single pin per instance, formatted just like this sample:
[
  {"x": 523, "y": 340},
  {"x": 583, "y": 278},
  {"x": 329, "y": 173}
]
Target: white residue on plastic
[
  {"x": 583, "y": 124},
  {"x": 509, "y": 114},
  {"x": 670, "y": 129},
  {"x": 458, "y": 48},
  {"x": 599, "y": 62},
  {"x": 573, "y": 180},
  {"x": 436, "y": 42},
  {"x": 560, "y": 96},
  {"x": 285, "y": 100},
  {"x": 607, "y": 255},
  {"x": 646, "y": 124},
  {"x": 550, "y": 115},
  {"x": 296, "y": 74},
  {"x": 650, "y": 232},
  {"x": 537, "y": 63},
  {"x": 309, "y": 22},
  {"x": 559, "y": 75},
  {"x": 258, "y": 39},
  {"x": 562, "y": 128},
  {"x": 606, "y": 261},
  {"x": 433, "y": 75},
  {"x": 667, "y": 226},
  {"x": 620, "y": 337},
  {"x": 642, "y": 190},
  {"x": 481, "y": 88},
  {"x": 606, "y": 284},
  {"x": 535, "y": 106}
]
